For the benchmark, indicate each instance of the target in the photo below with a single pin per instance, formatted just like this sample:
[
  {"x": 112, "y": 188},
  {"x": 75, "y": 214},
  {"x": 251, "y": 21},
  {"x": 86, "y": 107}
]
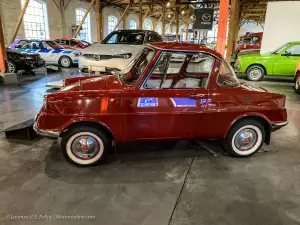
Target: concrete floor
[{"x": 146, "y": 183}]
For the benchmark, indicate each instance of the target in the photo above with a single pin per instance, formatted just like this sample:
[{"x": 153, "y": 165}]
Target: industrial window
[
  {"x": 132, "y": 25},
  {"x": 147, "y": 26},
  {"x": 112, "y": 23},
  {"x": 158, "y": 28},
  {"x": 84, "y": 33},
  {"x": 35, "y": 20}
]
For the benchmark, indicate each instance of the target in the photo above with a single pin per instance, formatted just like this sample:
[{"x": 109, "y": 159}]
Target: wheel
[
  {"x": 65, "y": 61},
  {"x": 297, "y": 84},
  {"x": 245, "y": 138},
  {"x": 255, "y": 73},
  {"x": 85, "y": 146},
  {"x": 11, "y": 67}
]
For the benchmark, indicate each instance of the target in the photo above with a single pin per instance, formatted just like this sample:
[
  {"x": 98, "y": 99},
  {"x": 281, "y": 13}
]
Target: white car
[
  {"x": 50, "y": 51},
  {"x": 116, "y": 51}
]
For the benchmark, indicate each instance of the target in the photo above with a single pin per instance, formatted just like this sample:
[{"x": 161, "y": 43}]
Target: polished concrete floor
[{"x": 176, "y": 183}]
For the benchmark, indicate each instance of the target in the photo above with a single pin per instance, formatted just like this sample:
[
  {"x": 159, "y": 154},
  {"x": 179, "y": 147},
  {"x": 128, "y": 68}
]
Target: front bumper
[
  {"x": 276, "y": 126},
  {"x": 45, "y": 133}
]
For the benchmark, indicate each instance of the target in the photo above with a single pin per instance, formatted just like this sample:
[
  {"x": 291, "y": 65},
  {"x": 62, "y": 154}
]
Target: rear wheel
[
  {"x": 11, "y": 67},
  {"x": 297, "y": 83},
  {"x": 65, "y": 61},
  {"x": 255, "y": 73},
  {"x": 245, "y": 138},
  {"x": 84, "y": 146}
]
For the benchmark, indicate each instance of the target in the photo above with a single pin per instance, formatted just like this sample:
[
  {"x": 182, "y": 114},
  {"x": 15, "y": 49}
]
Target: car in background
[
  {"x": 72, "y": 43},
  {"x": 281, "y": 62},
  {"x": 116, "y": 51},
  {"x": 50, "y": 51},
  {"x": 17, "y": 60},
  {"x": 249, "y": 42},
  {"x": 155, "y": 99}
]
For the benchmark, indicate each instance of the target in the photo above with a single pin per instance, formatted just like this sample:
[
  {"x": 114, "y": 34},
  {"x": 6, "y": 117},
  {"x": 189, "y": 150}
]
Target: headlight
[
  {"x": 123, "y": 56},
  {"x": 22, "y": 57},
  {"x": 78, "y": 54},
  {"x": 238, "y": 62},
  {"x": 45, "y": 103},
  {"x": 29, "y": 57}
]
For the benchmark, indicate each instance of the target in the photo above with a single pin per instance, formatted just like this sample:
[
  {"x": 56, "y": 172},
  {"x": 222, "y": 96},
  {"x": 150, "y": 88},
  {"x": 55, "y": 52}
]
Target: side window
[
  {"x": 158, "y": 38},
  {"x": 200, "y": 63},
  {"x": 180, "y": 71},
  {"x": 112, "y": 39},
  {"x": 150, "y": 38},
  {"x": 226, "y": 77},
  {"x": 294, "y": 50},
  {"x": 73, "y": 43}
]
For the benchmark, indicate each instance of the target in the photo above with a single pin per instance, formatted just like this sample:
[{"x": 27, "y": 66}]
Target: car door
[
  {"x": 287, "y": 60},
  {"x": 170, "y": 102}
]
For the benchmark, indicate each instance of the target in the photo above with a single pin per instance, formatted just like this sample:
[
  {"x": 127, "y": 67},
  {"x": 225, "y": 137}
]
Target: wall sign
[{"x": 204, "y": 19}]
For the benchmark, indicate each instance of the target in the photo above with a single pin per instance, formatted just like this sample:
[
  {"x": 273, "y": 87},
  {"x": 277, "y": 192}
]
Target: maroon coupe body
[{"x": 205, "y": 105}]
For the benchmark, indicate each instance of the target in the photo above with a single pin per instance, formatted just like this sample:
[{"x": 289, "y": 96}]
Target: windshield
[
  {"x": 281, "y": 48},
  {"x": 134, "y": 70},
  {"x": 133, "y": 38},
  {"x": 227, "y": 77},
  {"x": 54, "y": 45},
  {"x": 85, "y": 43}
]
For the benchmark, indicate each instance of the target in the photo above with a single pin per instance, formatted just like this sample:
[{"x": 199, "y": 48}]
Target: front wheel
[
  {"x": 65, "y": 61},
  {"x": 245, "y": 138},
  {"x": 84, "y": 146},
  {"x": 11, "y": 67},
  {"x": 255, "y": 73}
]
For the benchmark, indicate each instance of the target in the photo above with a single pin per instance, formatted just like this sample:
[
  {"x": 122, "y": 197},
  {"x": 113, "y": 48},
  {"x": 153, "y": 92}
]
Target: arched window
[
  {"x": 158, "y": 28},
  {"x": 35, "y": 20},
  {"x": 84, "y": 33},
  {"x": 132, "y": 25},
  {"x": 112, "y": 23},
  {"x": 147, "y": 25}
]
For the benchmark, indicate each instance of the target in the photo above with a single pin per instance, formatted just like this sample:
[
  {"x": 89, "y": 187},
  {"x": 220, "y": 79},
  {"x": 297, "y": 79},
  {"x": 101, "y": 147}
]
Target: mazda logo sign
[
  {"x": 206, "y": 17},
  {"x": 97, "y": 57}
]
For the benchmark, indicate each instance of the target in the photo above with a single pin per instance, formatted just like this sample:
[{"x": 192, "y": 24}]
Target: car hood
[
  {"x": 108, "y": 49},
  {"x": 109, "y": 82},
  {"x": 247, "y": 56},
  {"x": 15, "y": 51}
]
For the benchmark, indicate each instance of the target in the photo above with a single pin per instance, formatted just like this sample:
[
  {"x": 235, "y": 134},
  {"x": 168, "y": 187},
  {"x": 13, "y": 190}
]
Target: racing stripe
[
  {"x": 44, "y": 50},
  {"x": 32, "y": 50},
  {"x": 57, "y": 51},
  {"x": 67, "y": 52}
]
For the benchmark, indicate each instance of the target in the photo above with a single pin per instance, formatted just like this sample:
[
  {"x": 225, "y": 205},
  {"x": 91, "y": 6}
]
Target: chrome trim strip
[
  {"x": 279, "y": 125},
  {"x": 45, "y": 133}
]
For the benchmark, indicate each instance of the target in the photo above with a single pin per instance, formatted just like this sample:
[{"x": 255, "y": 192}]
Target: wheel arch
[
  {"x": 258, "y": 117},
  {"x": 258, "y": 64},
  {"x": 97, "y": 125}
]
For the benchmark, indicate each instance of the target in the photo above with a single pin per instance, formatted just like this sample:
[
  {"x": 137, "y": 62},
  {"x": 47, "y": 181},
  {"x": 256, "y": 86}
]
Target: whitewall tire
[
  {"x": 245, "y": 138},
  {"x": 297, "y": 84},
  {"x": 84, "y": 146},
  {"x": 65, "y": 61}
]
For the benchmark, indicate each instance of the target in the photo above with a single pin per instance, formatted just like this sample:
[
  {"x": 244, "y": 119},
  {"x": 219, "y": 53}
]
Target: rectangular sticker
[{"x": 147, "y": 102}]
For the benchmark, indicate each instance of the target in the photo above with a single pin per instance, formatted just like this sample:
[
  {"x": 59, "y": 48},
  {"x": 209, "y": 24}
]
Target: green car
[{"x": 280, "y": 62}]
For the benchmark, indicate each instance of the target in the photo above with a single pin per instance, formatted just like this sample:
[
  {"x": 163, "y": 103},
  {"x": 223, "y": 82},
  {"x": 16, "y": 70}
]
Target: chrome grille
[{"x": 97, "y": 57}]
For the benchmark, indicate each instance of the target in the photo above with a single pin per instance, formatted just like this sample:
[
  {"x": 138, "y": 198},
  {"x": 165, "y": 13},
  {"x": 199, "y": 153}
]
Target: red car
[
  {"x": 72, "y": 43},
  {"x": 156, "y": 98}
]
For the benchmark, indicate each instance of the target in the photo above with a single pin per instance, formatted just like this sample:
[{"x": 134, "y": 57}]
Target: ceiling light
[
  {"x": 182, "y": 12},
  {"x": 169, "y": 16},
  {"x": 168, "y": 4}
]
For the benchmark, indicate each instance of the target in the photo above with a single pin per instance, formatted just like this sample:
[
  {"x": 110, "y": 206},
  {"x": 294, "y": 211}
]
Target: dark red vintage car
[{"x": 169, "y": 91}]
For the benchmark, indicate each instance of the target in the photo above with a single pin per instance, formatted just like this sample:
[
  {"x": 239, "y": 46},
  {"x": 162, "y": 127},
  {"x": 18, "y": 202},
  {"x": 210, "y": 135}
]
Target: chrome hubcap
[
  {"x": 255, "y": 74},
  {"x": 85, "y": 147},
  {"x": 245, "y": 139},
  {"x": 65, "y": 62},
  {"x": 11, "y": 68}
]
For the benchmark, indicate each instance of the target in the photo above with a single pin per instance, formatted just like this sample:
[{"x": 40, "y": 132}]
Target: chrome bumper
[
  {"x": 45, "y": 133},
  {"x": 276, "y": 126}
]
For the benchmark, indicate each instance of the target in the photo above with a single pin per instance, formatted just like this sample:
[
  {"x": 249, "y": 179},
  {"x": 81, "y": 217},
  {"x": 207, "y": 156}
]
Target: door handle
[{"x": 196, "y": 95}]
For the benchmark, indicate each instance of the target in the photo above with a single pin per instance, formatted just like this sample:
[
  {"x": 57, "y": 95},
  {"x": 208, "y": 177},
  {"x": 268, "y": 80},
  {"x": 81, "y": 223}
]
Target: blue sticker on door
[{"x": 147, "y": 102}]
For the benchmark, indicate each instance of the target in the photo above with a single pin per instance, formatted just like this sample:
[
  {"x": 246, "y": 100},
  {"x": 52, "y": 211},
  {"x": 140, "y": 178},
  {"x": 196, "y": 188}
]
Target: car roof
[
  {"x": 69, "y": 38},
  {"x": 176, "y": 46},
  {"x": 135, "y": 31}
]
